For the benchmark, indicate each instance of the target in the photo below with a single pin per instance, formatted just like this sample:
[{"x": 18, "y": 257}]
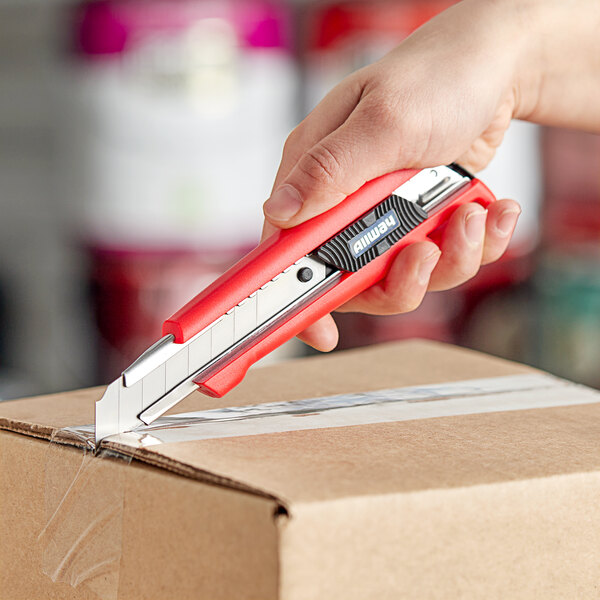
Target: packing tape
[
  {"x": 81, "y": 541},
  {"x": 512, "y": 392}
]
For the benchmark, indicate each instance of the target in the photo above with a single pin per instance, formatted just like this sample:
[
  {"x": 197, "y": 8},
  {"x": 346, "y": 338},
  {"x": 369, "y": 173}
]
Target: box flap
[{"x": 373, "y": 458}]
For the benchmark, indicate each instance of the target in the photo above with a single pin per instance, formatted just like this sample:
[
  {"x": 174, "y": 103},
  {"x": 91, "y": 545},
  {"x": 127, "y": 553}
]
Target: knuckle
[
  {"x": 293, "y": 139},
  {"x": 396, "y": 303},
  {"x": 462, "y": 270},
  {"x": 321, "y": 164},
  {"x": 492, "y": 254},
  {"x": 397, "y": 120},
  {"x": 384, "y": 111},
  {"x": 416, "y": 127},
  {"x": 411, "y": 304}
]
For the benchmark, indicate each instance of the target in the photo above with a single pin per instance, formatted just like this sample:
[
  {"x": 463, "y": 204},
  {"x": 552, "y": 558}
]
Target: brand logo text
[{"x": 366, "y": 239}]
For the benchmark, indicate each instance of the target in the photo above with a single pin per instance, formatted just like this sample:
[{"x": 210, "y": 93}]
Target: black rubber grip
[{"x": 372, "y": 234}]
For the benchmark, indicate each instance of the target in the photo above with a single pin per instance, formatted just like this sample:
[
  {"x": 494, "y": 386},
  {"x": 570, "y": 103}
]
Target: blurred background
[{"x": 129, "y": 129}]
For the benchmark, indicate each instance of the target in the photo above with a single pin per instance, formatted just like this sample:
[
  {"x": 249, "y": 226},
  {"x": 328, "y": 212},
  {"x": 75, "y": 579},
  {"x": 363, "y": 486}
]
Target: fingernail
[
  {"x": 475, "y": 226},
  {"x": 507, "y": 221},
  {"x": 283, "y": 204},
  {"x": 427, "y": 265}
]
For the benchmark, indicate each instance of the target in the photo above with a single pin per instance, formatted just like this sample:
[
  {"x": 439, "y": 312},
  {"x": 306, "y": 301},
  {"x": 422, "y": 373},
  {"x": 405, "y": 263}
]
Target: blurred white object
[
  {"x": 174, "y": 115},
  {"x": 516, "y": 173}
]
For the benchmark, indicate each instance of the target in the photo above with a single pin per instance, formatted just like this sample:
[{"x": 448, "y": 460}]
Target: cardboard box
[{"x": 473, "y": 478}]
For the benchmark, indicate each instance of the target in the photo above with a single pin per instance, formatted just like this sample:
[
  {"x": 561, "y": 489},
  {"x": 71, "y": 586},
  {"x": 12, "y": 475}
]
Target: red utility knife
[{"x": 288, "y": 282}]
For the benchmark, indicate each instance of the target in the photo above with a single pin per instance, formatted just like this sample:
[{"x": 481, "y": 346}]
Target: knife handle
[{"x": 286, "y": 247}]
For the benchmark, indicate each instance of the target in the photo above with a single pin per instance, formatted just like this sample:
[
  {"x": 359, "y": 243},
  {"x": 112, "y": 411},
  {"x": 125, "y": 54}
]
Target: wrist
[
  {"x": 504, "y": 29},
  {"x": 521, "y": 28},
  {"x": 557, "y": 75},
  {"x": 531, "y": 19}
]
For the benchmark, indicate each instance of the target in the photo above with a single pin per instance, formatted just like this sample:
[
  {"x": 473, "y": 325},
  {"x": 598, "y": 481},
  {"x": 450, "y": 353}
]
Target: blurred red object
[
  {"x": 572, "y": 188},
  {"x": 336, "y": 24},
  {"x": 134, "y": 292},
  {"x": 432, "y": 320}
]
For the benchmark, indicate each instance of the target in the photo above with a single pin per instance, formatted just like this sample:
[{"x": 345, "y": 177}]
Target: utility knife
[{"x": 289, "y": 281}]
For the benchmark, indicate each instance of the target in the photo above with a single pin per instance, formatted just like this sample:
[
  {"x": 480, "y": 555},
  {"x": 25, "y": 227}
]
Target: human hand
[{"x": 441, "y": 96}]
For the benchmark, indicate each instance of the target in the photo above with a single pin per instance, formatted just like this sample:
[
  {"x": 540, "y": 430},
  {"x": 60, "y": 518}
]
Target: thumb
[{"x": 331, "y": 170}]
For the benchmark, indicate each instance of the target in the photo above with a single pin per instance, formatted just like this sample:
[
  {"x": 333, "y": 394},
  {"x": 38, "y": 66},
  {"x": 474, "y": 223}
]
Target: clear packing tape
[
  {"x": 81, "y": 543},
  {"x": 512, "y": 392}
]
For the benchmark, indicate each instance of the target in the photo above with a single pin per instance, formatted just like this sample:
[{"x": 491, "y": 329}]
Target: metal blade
[
  {"x": 169, "y": 400},
  {"x": 163, "y": 375},
  {"x": 431, "y": 187},
  {"x": 117, "y": 410}
]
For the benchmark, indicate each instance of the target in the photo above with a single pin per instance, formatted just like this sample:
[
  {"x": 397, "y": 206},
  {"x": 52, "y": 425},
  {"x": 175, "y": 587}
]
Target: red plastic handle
[{"x": 285, "y": 248}]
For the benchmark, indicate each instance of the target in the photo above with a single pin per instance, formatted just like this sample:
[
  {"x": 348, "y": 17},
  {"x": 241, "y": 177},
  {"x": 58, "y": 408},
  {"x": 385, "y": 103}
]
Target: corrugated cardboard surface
[
  {"x": 492, "y": 505},
  {"x": 179, "y": 538}
]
